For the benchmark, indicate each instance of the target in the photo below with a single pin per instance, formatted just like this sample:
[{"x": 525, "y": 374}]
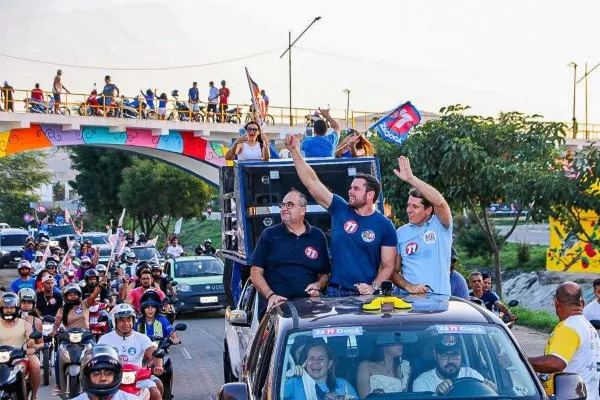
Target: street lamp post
[
  {"x": 347, "y": 91},
  {"x": 574, "y": 65},
  {"x": 289, "y": 51}
]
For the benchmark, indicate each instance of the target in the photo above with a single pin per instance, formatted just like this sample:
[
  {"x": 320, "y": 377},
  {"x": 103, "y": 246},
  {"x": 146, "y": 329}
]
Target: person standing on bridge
[
  {"x": 108, "y": 92},
  {"x": 291, "y": 258},
  {"x": 363, "y": 241},
  {"x": 193, "y": 99},
  {"x": 574, "y": 345},
  {"x": 322, "y": 144},
  {"x": 223, "y": 99},
  {"x": 57, "y": 88},
  {"x": 213, "y": 98}
]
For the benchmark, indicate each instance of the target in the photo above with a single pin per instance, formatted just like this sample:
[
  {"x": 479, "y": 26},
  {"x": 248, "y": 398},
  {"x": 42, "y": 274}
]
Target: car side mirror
[
  {"x": 595, "y": 323},
  {"x": 35, "y": 335},
  {"x": 173, "y": 283},
  {"x": 569, "y": 387},
  {"x": 237, "y": 318},
  {"x": 181, "y": 326},
  {"x": 173, "y": 300},
  {"x": 513, "y": 303},
  {"x": 233, "y": 391}
]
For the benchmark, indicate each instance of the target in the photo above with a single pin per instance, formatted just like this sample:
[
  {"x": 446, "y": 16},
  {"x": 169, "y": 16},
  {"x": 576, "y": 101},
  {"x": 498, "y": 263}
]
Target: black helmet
[
  {"x": 198, "y": 250},
  {"x": 91, "y": 273},
  {"x": 72, "y": 288},
  {"x": 9, "y": 300},
  {"x": 175, "y": 93},
  {"x": 101, "y": 357},
  {"x": 150, "y": 298},
  {"x": 143, "y": 265}
]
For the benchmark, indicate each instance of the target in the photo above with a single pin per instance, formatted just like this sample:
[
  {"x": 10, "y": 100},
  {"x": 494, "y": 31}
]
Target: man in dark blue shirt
[
  {"x": 290, "y": 259},
  {"x": 490, "y": 299},
  {"x": 193, "y": 99}
]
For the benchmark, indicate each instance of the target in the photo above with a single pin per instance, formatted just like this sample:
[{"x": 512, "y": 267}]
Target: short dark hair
[
  {"x": 372, "y": 184},
  {"x": 596, "y": 283},
  {"x": 485, "y": 276},
  {"x": 414, "y": 192},
  {"x": 211, "y": 83},
  {"x": 107, "y": 77},
  {"x": 37, "y": 85},
  {"x": 320, "y": 127},
  {"x": 194, "y": 83}
]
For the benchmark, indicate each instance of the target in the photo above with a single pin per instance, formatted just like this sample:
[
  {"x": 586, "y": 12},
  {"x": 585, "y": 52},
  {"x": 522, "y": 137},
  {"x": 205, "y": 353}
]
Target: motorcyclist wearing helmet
[
  {"x": 208, "y": 249},
  {"x": 160, "y": 279},
  {"x": 38, "y": 264},
  {"x": 134, "y": 296},
  {"x": 25, "y": 280},
  {"x": 29, "y": 313},
  {"x": 29, "y": 253},
  {"x": 101, "y": 375},
  {"x": 151, "y": 323},
  {"x": 92, "y": 280},
  {"x": 130, "y": 263},
  {"x": 15, "y": 331},
  {"x": 102, "y": 270},
  {"x": 134, "y": 347},
  {"x": 86, "y": 265},
  {"x": 52, "y": 267},
  {"x": 130, "y": 284},
  {"x": 142, "y": 239}
]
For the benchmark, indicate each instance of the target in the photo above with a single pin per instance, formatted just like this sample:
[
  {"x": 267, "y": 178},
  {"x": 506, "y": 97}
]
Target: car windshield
[
  {"x": 403, "y": 361},
  {"x": 97, "y": 239},
  {"x": 193, "y": 268},
  {"x": 12, "y": 240},
  {"x": 59, "y": 230},
  {"x": 146, "y": 253}
]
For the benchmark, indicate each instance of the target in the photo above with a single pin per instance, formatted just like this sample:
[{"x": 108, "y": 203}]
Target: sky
[{"x": 495, "y": 56}]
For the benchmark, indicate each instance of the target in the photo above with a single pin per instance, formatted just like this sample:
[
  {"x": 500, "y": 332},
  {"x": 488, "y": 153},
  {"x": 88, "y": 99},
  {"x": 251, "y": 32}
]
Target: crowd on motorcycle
[
  {"x": 105, "y": 329},
  {"x": 149, "y": 104}
]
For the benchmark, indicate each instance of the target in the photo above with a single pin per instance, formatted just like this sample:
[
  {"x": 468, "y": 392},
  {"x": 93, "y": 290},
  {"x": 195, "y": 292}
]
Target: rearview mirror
[
  {"x": 158, "y": 353},
  {"x": 181, "y": 326},
  {"x": 569, "y": 387},
  {"x": 103, "y": 318},
  {"x": 173, "y": 300},
  {"x": 35, "y": 335},
  {"x": 513, "y": 303},
  {"x": 173, "y": 283},
  {"x": 233, "y": 391},
  {"x": 237, "y": 318}
]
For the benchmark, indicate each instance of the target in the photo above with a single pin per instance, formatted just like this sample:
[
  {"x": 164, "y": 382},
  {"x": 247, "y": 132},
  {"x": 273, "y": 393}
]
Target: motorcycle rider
[
  {"x": 15, "y": 331},
  {"x": 29, "y": 253},
  {"x": 142, "y": 239},
  {"x": 208, "y": 249},
  {"x": 48, "y": 302},
  {"x": 92, "y": 278},
  {"x": 160, "y": 279},
  {"x": 133, "y": 347},
  {"x": 101, "y": 374},
  {"x": 51, "y": 266},
  {"x": 102, "y": 270},
  {"x": 29, "y": 313},
  {"x": 135, "y": 295},
  {"x": 86, "y": 265},
  {"x": 25, "y": 280},
  {"x": 38, "y": 264},
  {"x": 490, "y": 299},
  {"x": 130, "y": 263},
  {"x": 74, "y": 314},
  {"x": 129, "y": 284},
  {"x": 150, "y": 322}
]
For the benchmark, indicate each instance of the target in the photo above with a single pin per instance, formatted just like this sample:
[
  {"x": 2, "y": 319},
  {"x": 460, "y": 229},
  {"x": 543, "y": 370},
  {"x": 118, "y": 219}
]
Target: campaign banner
[{"x": 394, "y": 126}]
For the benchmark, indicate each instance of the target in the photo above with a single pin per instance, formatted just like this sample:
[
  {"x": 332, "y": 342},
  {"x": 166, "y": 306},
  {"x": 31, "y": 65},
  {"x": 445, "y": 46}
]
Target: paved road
[{"x": 531, "y": 234}]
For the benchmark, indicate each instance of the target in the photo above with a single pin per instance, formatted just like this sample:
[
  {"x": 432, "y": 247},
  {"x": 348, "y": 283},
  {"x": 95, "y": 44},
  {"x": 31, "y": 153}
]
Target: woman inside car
[{"x": 318, "y": 380}]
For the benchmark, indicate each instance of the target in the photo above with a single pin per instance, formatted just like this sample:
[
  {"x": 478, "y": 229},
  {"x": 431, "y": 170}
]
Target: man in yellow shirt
[{"x": 574, "y": 345}]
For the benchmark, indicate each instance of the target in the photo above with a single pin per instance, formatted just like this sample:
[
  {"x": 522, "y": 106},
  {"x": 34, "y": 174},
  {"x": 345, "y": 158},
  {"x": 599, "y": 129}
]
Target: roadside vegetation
[{"x": 536, "y": 319}]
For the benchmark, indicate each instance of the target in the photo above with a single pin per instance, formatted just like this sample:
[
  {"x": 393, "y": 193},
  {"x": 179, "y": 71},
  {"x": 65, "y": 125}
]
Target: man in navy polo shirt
[
  {"x": 363, "y": 241},
  {"x": 290, "y": 259}
]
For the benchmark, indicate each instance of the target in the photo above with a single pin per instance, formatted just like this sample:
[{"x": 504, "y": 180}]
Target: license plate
[
  {"x": 209, "y": 299},
  {"x": 17, "y": 259}
]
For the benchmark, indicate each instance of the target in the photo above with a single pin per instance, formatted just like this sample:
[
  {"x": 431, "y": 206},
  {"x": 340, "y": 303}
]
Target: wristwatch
[{"x": 375, "y": 286}]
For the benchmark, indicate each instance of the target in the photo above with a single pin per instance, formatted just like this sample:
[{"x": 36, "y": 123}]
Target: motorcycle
[
  {"x": 98, "y": 326},
  {"x": 132, "y": 374},
  {"x": 182, "y": 110},
  {"x": 167, "y": 376},
  {"x": 48, "y": 350},
  {"x": 13, "y": 364},
  {"x": 70, "y": 354},
  {"x": 131, "y": 109}
]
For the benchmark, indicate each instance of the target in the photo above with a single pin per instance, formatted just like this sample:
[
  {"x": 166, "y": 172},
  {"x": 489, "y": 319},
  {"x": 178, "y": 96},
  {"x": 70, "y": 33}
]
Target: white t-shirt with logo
[
  {"x": 592, "y": 311},
  {"x": 131, "y": 348},
  {"x": 120, "y": 395},
  {"x": 429, "y": 381}
]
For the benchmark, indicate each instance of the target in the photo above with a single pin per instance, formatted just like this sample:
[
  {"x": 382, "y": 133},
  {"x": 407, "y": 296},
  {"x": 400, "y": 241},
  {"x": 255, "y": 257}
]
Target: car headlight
[
  {"x": 128, "y": 378},
  {"x": 5, "y": 253},
  {"x": 4, "y": 357},
  {"x": 184, "y": 287},
  {"x": 13, "y": 374}
]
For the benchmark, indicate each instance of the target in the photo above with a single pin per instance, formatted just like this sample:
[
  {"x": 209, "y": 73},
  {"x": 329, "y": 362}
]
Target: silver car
[{"x": 100, "y": 240}]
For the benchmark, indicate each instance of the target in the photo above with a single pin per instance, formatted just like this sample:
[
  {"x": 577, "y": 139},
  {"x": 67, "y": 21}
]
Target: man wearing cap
[
  {"x": 25, "y": 280},
  {"x": 448, "y": 356},
  {"x": 48, "y": 301},
  {"x": 458, "y": 283}
]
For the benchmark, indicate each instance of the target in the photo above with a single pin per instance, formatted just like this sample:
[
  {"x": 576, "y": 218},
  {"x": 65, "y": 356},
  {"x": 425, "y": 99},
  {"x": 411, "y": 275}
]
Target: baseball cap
[
  {"x": 47, "y": 278},
  {"x": 390, "y": 338},
  {"x": 445, "y": 343},
  {"x": 453, "y": 255}
]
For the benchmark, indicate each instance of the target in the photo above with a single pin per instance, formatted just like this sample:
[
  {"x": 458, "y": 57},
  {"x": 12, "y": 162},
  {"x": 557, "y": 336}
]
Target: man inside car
[{"x": 449, "y": 358}]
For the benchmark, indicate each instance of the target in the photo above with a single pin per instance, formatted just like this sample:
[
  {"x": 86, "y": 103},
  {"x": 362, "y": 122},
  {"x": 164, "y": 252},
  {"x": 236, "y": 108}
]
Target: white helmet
[{"x": 120, "y": 311}]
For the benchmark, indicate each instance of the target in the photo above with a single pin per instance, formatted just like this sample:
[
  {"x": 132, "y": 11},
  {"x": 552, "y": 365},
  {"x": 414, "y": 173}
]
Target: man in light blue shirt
[
  {"x": 322, "y": 144},
  {"x": 458, "y": 283},
  {"x": 425, "y": 242}
]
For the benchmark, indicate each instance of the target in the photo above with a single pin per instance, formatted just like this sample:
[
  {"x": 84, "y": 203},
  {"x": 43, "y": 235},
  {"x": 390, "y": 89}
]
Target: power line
[{"x": 142, "y": 68}]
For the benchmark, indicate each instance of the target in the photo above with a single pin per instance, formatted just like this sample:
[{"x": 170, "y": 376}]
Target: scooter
[
  {"x": 70, "y": 354},
  {"x": 13, "y": 364},
  {"x": 48, "y": 350},
  {"x": 167, "y": 376},
  {"x": 132, "y": 374}
]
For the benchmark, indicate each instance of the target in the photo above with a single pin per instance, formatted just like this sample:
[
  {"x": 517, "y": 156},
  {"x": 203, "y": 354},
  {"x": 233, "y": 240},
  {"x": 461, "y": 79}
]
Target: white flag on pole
[
  {"x": 122, "y": 218},
  {"x": 178, "y": 226},
  {"x": 153, "y": 242}
]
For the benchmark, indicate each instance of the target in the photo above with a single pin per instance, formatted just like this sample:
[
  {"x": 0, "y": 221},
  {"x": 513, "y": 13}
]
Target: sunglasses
[{"x": 252, "y": 129}]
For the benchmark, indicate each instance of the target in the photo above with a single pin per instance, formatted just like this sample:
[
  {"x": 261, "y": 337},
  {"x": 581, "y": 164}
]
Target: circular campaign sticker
[
  {"x": 311, "y": 252},
  {"x": 368, "y": 236},
  {"x": 350, "y": 226},
  {"x": 429, "y": 237}
]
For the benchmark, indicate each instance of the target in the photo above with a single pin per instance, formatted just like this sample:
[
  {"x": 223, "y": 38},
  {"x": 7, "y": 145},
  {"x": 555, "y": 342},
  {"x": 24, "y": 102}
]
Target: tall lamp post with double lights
[
  {"x": 289, "y": 52},
  {"x": 347, "y": 91}
]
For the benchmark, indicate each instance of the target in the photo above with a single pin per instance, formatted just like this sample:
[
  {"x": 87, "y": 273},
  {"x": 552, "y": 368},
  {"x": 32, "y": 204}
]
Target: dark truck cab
[{"x": 250, "y": 193}]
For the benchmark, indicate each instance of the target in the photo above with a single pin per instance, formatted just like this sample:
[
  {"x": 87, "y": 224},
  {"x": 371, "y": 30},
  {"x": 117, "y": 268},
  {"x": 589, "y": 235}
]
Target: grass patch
[
  {"x": 195, "y": 232},
  {"x": 541, "y": 320},
  {"x": 509, "y": 259}
]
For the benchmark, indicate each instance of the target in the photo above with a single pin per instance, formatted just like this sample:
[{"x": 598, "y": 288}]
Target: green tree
[
  {"x": 20, "y": 175},
  {"x": 474, "y": 161},
  {"x": 99, "y": 178},
  {"x": 58, "y": 191},
  {"x": 155, "y": 194}
]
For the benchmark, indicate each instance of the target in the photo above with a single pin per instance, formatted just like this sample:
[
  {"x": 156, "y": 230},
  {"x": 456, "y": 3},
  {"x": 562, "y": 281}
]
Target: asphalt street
[{"x": 530, "y": 234}]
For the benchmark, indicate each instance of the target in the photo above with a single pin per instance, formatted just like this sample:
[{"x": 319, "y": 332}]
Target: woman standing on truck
[{"x": 253, "y": 145}]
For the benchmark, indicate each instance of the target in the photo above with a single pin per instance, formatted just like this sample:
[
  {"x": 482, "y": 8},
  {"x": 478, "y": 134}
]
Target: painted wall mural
[{"x": 46, "y": 136}]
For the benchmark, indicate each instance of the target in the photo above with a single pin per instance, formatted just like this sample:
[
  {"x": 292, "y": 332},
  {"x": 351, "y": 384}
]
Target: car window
[
  {"x": 59, "y": 230},
  {"x": 146, "y": 253},
  {"x": 196, "y": 268},
  {"x": 97, "y": 239},
  {"x": 12, "y": 240},
  {"x": 354, "y": 362}
]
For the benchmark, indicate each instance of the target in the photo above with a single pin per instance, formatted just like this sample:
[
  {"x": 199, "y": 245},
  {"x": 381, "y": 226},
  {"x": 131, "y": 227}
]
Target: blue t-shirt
[
  {"x": 458, "y": 285},
  {"x": 320, "y": 146},
  {"x": 109, "y": 90},
  {"x": 19, "y": 284},
  {"x": 29, "y": 255},
  {"x": 59, "y": 220},
  {"x": 291, "y": 262},
  {"x": 356, "y": 243},
  {"x": 162, "y": 102},
  {"x": 294, "y": 389},
  {"x": 425, "y": 252},
  {"x": 167, "y": 328},
  {"x": 150, "y": 100},
  {"x": 489, "y": 298},
  {"x": 193, "y": 94},
  {"x": 58, "y": 278}
]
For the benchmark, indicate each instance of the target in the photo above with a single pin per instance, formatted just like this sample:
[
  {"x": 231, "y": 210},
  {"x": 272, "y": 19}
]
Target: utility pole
[
  {"x": 574, "y": 128},
  {"x": 289, "y": 51}
]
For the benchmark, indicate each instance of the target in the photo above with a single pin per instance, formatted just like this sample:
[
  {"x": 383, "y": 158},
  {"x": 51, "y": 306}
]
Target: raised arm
[
  {"x": 440, "y": 207},
  {"x": 334, "y": 125},
  {"x": 307, "y": 175},
  {"x": 266, "y": 151}
]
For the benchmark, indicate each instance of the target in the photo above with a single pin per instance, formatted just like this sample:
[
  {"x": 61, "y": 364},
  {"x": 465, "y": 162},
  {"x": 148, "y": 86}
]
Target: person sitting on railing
[
  {"x": 36, "y": 93},
  {"x": 322, "y": 144},
  {"x": 108, "y": 93}
]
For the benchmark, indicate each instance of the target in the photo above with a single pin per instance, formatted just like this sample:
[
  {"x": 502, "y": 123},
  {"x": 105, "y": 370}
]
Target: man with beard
[
  {"x": 363, "y": 241},
  {"x": 448, "y": 356},
  {"x": 135, "y": 295},
  {"x": 25, "y": 280}
]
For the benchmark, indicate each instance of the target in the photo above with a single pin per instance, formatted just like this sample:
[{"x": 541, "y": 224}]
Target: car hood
[
  {"x": 11, "y": 248},
  {"x": 201, "y": 280}
]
